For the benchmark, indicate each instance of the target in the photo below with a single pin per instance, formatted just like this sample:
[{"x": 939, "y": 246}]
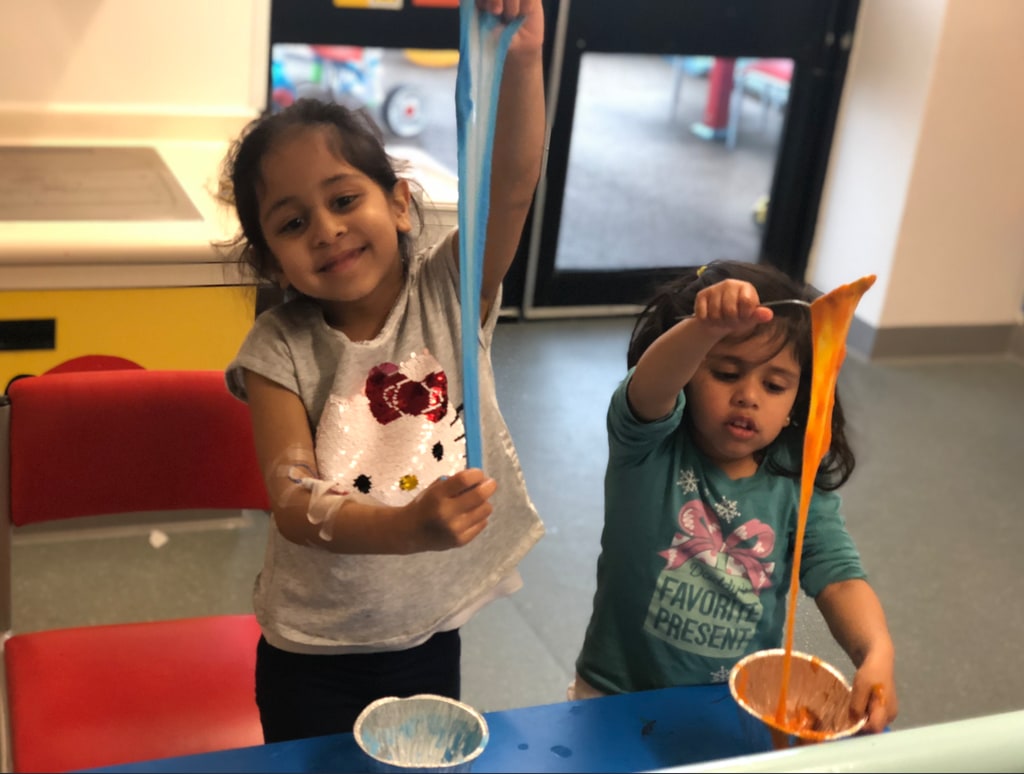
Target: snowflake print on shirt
[
  {"x": 728, "y": 510},
  {"x": 720, "y": 675},
  {"x": 687, "y": 481},
  {"x": 690, "y": 484}
]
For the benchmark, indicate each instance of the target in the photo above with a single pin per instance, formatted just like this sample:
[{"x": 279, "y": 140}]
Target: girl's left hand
[
  {"x": 530, "y": 36},
  {"x": 874, "y": 695}
]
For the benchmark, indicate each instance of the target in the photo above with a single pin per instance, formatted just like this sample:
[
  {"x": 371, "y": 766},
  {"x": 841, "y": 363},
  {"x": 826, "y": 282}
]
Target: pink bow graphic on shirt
[
  {"x": 701, "y": 538},
  {"x": 393, "y": 395}
]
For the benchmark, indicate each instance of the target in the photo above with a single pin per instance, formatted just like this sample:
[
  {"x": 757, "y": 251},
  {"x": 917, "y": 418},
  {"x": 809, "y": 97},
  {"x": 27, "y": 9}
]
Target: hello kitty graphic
[{"x": 394, "y": 438}]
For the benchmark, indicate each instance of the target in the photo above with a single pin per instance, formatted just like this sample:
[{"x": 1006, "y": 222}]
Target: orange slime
[{"x": 831, "y": 315}]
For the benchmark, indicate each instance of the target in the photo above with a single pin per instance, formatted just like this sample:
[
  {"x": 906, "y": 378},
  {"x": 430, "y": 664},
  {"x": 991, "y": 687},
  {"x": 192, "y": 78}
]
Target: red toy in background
[{"x": 348, "y": 75}]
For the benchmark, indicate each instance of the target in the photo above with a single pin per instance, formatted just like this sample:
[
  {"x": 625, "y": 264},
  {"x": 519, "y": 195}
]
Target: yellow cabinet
[{"x": 173, "y": 327}]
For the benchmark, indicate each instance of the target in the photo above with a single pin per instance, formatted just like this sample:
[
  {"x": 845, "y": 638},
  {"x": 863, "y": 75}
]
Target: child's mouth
[
  {"x": 741, "y": 428},
  {"x": 340, "y": 262}
]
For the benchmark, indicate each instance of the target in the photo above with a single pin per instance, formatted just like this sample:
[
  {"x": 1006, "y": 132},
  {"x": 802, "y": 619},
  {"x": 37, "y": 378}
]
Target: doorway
[{"x": 680, "y": 132}]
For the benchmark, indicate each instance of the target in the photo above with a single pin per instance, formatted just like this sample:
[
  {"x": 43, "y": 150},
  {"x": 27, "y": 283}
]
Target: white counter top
[{"x": 45, "y": 254}]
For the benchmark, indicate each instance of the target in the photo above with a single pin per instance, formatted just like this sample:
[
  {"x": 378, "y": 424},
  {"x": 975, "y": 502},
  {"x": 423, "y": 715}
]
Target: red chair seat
[{"x": 202, "y": 670}]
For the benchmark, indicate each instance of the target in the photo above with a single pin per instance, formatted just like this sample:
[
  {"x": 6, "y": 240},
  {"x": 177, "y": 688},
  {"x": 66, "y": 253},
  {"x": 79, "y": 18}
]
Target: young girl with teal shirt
[{"x": 705, "y": 439}]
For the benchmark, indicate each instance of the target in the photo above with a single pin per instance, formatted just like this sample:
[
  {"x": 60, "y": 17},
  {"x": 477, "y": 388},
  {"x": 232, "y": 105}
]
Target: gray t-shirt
[{"x": 387, "y": 418}]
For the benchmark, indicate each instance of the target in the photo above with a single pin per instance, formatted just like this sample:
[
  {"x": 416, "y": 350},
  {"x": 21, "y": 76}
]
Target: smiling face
[
  {"x": 740, "y": 399},
  {"x": 332, "y": 230}
]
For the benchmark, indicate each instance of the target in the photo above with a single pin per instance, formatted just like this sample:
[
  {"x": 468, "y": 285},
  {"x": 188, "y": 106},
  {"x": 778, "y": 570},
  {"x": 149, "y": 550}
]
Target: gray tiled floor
[{"x": 934, "y": 505}]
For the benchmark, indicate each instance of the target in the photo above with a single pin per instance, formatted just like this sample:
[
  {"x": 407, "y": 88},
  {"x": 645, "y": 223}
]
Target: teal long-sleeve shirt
[{"x": 695, "y": 568}]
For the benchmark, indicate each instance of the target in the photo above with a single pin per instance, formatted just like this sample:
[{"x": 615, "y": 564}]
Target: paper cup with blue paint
[{"x": 421, "y": 733}]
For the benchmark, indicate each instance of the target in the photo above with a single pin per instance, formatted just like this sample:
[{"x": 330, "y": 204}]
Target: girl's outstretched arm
[
  {"x": 518, "y": 143},
  {"x": 308, "y": 511},
  {"x": 855, "y": 617}
]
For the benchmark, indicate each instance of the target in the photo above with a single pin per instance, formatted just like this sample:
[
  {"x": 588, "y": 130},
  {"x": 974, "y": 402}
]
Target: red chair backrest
[
  {"x": 93, "y": 363},
  {"x": 105, "y": 442}
]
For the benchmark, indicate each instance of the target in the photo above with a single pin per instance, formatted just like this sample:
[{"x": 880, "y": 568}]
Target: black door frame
[
  {"x": 816, "y": 34},
  {"x": 320, "y": 22}
]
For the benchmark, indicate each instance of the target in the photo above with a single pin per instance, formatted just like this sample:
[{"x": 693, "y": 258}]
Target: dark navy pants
[{"x": 302, "y": 695}]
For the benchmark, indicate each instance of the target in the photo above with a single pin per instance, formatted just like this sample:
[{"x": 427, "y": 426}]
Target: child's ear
[{"x": 401, "y": 196}]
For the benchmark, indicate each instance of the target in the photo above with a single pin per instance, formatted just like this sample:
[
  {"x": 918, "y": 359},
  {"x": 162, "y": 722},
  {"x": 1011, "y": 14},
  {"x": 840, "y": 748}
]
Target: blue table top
[{"x": 630, "y": 732}]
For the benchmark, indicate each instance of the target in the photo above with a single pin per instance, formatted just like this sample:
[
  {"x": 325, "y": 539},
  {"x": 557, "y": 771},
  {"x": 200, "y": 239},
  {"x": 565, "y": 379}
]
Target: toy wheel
[{"x": 403, "y": 111}]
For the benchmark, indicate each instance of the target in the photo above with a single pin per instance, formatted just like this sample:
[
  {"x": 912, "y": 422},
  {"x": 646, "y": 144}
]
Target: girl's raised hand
[
  {"x": 531, "y": 35},
  {"x": 731, "y": 306},
  {"x": 450, "y": 512}
]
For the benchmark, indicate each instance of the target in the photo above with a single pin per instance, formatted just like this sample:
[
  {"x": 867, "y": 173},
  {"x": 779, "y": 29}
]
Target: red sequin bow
[{"x": 393, "y": 395}]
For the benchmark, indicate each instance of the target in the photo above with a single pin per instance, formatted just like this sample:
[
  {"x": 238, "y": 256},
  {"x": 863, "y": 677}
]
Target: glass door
[{"x": 680, "y": 132}]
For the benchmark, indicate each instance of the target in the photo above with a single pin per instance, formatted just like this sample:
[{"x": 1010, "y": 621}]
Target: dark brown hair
[
  {"x": 790, "y": 325},
  {"x": 356, "y": 138}
]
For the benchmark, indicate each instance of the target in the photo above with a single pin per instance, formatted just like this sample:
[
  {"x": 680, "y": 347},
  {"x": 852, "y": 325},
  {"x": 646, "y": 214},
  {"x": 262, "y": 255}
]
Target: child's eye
[
  {"x": 341, "y": 202},
  {"x": 291, "y": 226},
  {"x": 725, "y": 376},
  {"x": 775, "y": 388}
]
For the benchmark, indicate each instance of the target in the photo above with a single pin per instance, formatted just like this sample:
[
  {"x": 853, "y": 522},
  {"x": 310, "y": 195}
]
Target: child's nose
[
  {"x": 746, "y": 394},
  {"x": 327, "y": 228}
]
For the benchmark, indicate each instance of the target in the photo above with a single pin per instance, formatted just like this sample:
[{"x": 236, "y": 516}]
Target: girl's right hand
[
  {"x": 730, "y": 306},
  {"x": 529, "y": 37},
  {"x": 450, "y": 512}
]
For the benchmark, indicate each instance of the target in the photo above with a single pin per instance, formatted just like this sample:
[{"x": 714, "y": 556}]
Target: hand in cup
[{"x": 874, "y": 695}]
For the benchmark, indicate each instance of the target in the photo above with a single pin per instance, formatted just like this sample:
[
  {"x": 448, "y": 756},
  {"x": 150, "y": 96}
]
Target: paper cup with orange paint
[{"x": 817, "y": 697}]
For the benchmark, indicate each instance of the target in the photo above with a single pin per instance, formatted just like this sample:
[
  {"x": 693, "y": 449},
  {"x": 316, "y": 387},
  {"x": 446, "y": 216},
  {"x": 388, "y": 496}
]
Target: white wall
[
  {"x": 64, "y": 62},
  {"x": 925, "y": 187},
  {"x": 926, "y": 181}
]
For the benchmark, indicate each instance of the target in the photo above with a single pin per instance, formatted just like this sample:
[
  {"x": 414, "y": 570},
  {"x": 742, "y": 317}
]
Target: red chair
[
  {"x": 90, "y": 443},
  {"x": 766, "y": 79},
  {"x": 84, "y": 363},
  {"x": 93, "y": 363}
]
